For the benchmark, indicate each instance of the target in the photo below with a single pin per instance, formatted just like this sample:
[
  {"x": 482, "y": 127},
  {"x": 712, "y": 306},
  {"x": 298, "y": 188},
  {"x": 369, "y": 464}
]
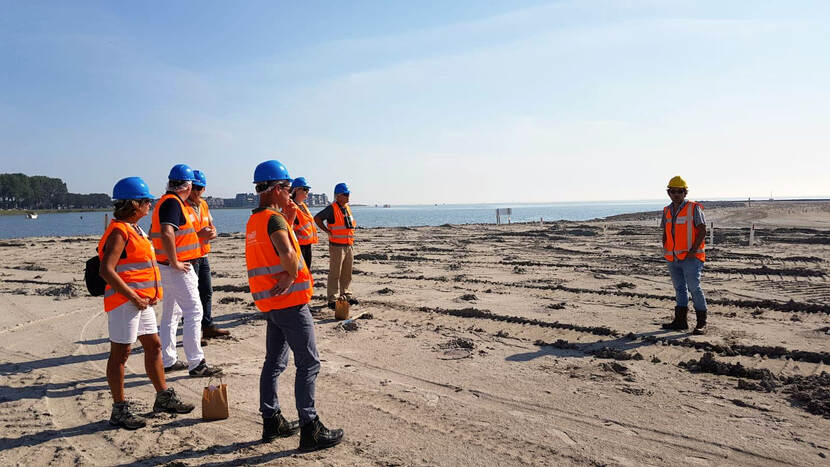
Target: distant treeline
[{"x": 20, "y": 191}]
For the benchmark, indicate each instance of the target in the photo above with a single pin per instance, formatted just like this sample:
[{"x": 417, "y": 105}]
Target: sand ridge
[{"x": 519, "y": 344}]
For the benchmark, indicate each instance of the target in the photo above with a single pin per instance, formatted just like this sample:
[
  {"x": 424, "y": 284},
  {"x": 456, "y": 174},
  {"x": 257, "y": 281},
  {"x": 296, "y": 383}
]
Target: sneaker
[
  {"x": 331, "y": 305},
  {"x": 213, "y": 331},
  {"x": 123, "y": 417},
  {"x": 178, "y": 366},
  {"x": 352, "y": 301},
  {"x": 314, "y": 435},
  {"x": 168, "y": 401},
  {"x": 278, "y": 427},
  {"x": 203, "y": 370}
]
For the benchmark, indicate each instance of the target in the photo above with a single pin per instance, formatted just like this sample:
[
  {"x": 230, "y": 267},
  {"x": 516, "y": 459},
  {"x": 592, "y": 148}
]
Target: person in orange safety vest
[
  {"x": 304, "y": 227},
  {"x": 128, "y": 265},
  {"x": 684, "y": 232},
  {"x": 281, "y": 285},
  {"x": 340, "y": 227},
  {"x": 176, "y": 242},
  {"x": 205, "y": 230}
]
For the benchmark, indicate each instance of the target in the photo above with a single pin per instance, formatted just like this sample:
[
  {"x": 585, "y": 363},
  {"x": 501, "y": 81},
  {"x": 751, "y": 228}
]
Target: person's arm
[
  {"x": 112, "y": 253},
  {"x": 700, "y": 234},
  {"x": 168, "y": 245},
  {"x": 700, "y": 228},
  {"x": 318, "y": 219},
  {"x": 288, "y": 260}
]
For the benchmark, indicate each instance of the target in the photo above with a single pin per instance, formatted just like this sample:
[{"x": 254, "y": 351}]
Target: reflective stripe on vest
[
  {"x": 307, "y": 232},
  {"x": 263, "y": 264},
  {"x": 186, "y": 241},
  {"x": 340, "y": 234},
  {"x": 295, "y": 287},
  {"x": 681, "y": 240},
  {"x": 138, "y": 269}
]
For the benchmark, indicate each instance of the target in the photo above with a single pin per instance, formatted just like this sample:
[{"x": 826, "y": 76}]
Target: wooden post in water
[
  {"x": 106, "y": 221},
  {"x": 752, "y": 235}
]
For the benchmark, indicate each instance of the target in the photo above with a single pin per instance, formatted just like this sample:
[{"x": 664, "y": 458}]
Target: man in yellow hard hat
[{"x": 684, "y": 233}]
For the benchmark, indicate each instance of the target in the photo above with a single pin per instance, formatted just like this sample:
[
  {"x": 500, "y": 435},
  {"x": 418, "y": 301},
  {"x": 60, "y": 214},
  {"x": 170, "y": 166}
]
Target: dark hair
[
  {"x": 262, "y": 186},
  {"x": 125, "y": 208},
  {"x": 177, "y": 183}
]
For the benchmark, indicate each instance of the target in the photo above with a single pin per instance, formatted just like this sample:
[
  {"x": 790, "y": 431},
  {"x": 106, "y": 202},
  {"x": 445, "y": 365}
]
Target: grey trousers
[{"x": 290, "y": 328}]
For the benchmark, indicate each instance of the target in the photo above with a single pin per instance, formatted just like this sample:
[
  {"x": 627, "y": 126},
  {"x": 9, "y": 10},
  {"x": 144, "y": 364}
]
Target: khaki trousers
[{"x": 341, "y": 258}]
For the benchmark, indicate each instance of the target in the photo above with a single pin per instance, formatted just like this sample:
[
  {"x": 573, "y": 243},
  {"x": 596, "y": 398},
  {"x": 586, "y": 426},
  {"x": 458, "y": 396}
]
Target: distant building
[
  {"x": 242, "y": 200},
  {"x": 214, "y": 202},
  {"x": 318, "y": 199}
]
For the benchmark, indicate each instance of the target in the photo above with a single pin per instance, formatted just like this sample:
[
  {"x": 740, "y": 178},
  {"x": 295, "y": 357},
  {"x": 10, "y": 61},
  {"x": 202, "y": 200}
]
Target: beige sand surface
[{"x": 453, "y": 369}]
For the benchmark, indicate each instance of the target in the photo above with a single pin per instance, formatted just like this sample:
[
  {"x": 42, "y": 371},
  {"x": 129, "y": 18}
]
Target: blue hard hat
[
  {"x": 300, "y": 182},
  {"x": 131, "y": 188},
  {"x": 199, "y": 178},
  {"x": 341, "y": 189},
  {"x": 270, "y": 170},
  {"x": 181, "y": 172}
]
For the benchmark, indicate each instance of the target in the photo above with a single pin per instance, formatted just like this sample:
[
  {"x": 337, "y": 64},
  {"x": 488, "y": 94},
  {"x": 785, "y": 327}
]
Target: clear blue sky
[{"x": 427, "y": 101}]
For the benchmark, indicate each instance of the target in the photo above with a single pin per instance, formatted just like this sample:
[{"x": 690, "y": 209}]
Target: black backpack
[{"x": 94, "y": 283}]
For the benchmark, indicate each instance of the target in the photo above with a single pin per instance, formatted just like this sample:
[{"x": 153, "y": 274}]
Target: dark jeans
[
  {"x": 201, "y": 267},
  {"x": 306, "y": 251},
  {"x": 290, "y": 328}
]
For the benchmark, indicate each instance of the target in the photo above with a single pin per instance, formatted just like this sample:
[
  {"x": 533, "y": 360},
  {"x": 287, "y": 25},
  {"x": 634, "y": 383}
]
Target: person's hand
[
  {"x": 284, "y": 281},
  {"x": 180, "y": 266},
  {"x": 207, "y": 233},
  {"x": 153, "y": 301},
  {"x": 140, "y": 302}
]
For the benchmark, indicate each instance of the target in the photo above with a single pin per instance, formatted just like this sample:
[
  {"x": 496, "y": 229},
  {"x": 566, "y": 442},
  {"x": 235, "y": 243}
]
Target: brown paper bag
[
  {"x": 215, "y": 401},
  {"x": 341, "y": 308}
]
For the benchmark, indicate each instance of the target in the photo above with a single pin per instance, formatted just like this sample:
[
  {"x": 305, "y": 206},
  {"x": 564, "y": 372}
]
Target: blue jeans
[
  {"x": 685, "y": 275},
  {"x": 202, "y": 268},
  {"x": 290, "y": 328}
]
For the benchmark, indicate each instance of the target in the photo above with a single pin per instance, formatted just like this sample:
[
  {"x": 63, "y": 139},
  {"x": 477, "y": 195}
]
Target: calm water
[{"x": 233, "y": 220}]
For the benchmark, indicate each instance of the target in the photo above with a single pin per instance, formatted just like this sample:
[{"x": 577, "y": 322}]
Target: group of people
[{"x": 171, "y": 264}]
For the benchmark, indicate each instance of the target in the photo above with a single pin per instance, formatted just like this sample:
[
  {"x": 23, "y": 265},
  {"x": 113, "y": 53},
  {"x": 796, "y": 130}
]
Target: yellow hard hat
[{"x": 678, "y": 182}]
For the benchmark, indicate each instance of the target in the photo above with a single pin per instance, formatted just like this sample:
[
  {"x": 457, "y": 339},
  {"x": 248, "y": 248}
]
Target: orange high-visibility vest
[
  {"x": 677, "y": 245},
  {"x": 202, "y": 219},
  {"x": 263, "y": 264},
  {"x": 306, "y": 231},
  {"x": 138, "y": 269},
  {"x": 340, "y": 234},
  {"x": 186, "y": 241}
]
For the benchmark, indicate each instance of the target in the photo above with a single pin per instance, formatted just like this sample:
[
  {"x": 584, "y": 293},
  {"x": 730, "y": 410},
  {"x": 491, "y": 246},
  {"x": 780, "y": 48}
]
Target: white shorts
[{"x": 127, "y": 322}]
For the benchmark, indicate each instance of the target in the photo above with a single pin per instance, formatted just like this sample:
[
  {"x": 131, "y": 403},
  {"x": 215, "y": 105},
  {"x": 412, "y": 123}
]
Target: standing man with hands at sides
[
  {"x": 176, "y": 244},
  {"x": 340, "y": 229},
  {"x": 128, "y": 265},
  {"x": 684, "y": 233},
  {"x": 203, "y": 222},
  {"x": 304, "y": 227},
  {"x": 282, "y": 286}
]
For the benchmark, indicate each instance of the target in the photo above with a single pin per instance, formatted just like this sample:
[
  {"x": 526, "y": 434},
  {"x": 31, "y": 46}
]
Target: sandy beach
[{"x": 482, "y": 345}]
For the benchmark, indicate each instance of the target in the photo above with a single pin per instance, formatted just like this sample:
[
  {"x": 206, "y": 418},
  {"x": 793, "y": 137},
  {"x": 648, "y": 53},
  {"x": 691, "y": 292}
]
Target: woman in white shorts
[{"x": 128, "y": 265}]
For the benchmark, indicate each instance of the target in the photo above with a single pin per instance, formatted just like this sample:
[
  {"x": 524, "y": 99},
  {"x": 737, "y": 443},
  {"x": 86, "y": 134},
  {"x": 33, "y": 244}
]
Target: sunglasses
[
  {"x": 304, "y": 189},
  {"x": 284, "y": 186},
  {"x": 676, "y": 192},
  {"x": 145, "y": 201},
  {"x": 198, "y": 188}
]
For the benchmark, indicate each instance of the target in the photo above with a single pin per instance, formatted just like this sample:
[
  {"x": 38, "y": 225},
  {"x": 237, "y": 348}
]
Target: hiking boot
[
  {"x": 700, "y": 327},
  {"x": 178, "y": 366},
  {"x": 278, "y": 427},
  {"x": 213, "y": 331},
  {"x": 123, "y": 417},
  {"x": 203, "y": 370},
  {"x": 352, "y": 301},
  {"x": 168, "y": 401},
  {"x": 314, "y": 435},
  {"x": 331, "y": 305},
  {"x": 679, "y": 323}
]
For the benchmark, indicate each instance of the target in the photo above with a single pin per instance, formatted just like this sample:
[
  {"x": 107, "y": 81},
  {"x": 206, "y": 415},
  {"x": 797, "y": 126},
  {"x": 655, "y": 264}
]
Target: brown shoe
[{"x": 213, "y": 331}]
